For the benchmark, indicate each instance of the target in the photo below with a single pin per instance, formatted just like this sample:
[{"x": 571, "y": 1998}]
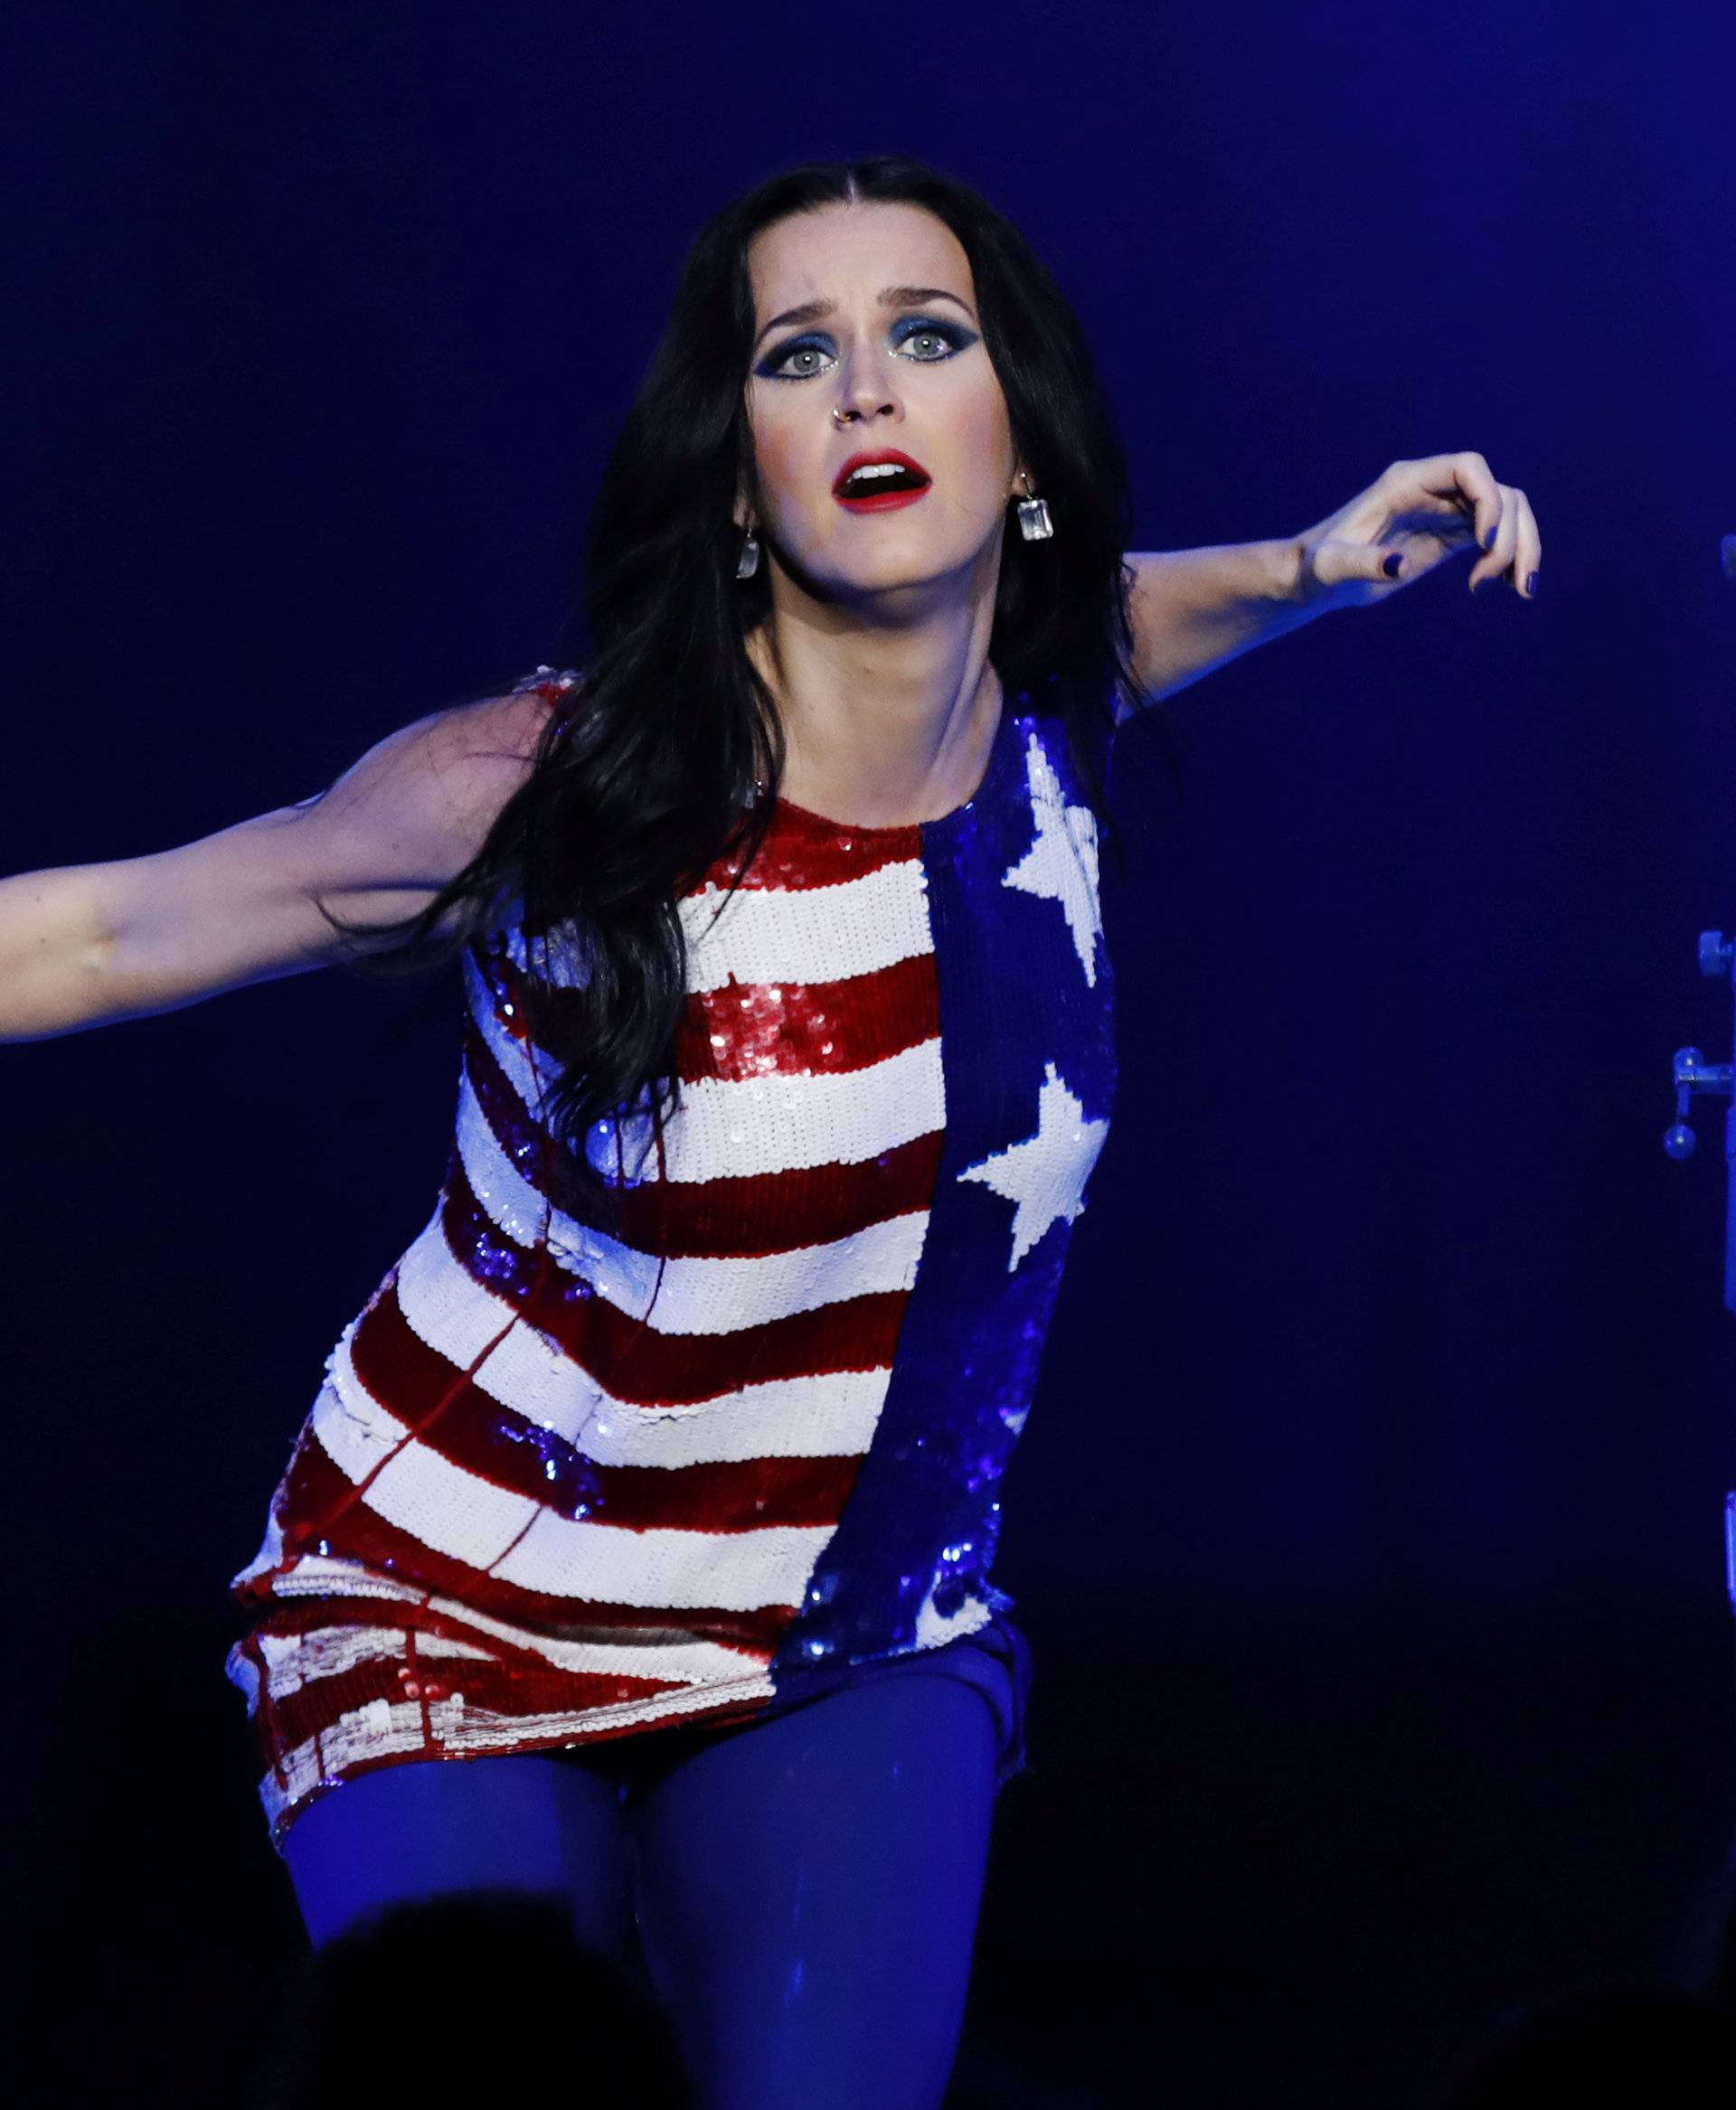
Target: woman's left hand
[{"x": 1413, "y": 518}]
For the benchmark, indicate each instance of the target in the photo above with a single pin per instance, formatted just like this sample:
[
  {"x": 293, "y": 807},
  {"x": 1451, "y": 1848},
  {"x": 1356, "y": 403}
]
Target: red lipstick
[{"x": 899, "y": 481}]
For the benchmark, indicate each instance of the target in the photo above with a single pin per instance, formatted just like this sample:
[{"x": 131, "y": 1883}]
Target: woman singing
[{"x": 637, "y": 1545}]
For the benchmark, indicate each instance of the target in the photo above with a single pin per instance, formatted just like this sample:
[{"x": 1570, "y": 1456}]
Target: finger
[
  {"x": 1468, "y": 477},
  {"x": 1499, "y": 555},
  {"x": 1337, "y": 563},
  {"x": 1528, "y": 550}
]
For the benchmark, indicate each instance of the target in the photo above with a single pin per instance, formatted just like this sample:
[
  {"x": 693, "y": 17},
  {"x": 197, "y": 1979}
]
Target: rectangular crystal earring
[
  {"x": 748, "y": 562},
  {"x": 1034, "y": 524}
]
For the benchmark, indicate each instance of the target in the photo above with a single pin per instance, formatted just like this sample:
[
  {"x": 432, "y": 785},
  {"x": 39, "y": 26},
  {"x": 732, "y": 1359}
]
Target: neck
[{"x": 886, "y": 722}]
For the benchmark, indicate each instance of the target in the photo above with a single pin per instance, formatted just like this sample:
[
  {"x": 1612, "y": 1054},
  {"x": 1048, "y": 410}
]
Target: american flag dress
[{"x": 559, "y": 1486}]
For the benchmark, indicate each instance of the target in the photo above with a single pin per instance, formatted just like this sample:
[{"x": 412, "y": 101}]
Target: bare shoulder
[
  {"x": 505, "y": 727},
  {"x": 462, "y": 764},
  {"x": 417, "y": 805},
  {"x": 375, "y": 846}
]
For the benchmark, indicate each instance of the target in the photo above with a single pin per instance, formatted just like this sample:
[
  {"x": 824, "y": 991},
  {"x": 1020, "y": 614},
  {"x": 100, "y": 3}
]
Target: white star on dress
[
  {"x": 1044, "y": 1176},
  {"x": 1061, "y": 865}
]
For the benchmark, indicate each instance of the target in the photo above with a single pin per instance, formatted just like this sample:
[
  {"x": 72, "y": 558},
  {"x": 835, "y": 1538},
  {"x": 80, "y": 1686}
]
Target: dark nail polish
[
  {"x": 1530, "y": 584},
  {"x": 1393, "y": 565}
]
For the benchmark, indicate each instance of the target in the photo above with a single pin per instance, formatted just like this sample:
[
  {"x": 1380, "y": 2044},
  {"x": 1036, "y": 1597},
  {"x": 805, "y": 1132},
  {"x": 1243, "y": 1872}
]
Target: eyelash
[{"x": 959, "y": 338}]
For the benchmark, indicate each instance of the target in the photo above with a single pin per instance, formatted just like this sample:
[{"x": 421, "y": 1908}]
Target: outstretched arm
[
  {"x": 84, "y": 945},
  {"x": 1194, "y": 609}
]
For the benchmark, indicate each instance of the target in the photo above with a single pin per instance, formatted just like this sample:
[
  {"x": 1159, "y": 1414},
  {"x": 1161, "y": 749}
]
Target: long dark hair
[{"x": 647, "y": 775}]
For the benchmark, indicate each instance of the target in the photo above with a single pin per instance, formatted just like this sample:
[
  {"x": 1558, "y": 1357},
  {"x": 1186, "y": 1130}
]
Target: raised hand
[{"x": 1410, "y": 521}]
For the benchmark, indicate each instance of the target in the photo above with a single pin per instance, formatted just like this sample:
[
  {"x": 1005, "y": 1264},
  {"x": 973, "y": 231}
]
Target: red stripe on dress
[
  {"x": 296, "y": 1616},
  {"x": 818, "y": 1028},
  {"x": 801, "y": 850},
  {"x": 479, "y": 1434},
  {"x": 740, "y": 1217},
  {"x": 754, "y": 1028},
  {"x": 316, "y": 1512},
  {"x": 640, "y": 1367},
  {"x": 759, "y": 1213},
  {"x": 513, "y": 1687}
]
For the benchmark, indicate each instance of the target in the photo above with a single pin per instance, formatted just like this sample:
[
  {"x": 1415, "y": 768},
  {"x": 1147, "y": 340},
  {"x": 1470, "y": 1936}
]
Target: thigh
[
  {"x": 434, "y": 1826},
  {"x": 808, "y": 1893}
]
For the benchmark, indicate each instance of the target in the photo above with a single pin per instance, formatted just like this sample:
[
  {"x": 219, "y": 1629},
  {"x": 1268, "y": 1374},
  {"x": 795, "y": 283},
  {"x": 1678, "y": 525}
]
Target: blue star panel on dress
[{"x": 1029, "y": 1068}]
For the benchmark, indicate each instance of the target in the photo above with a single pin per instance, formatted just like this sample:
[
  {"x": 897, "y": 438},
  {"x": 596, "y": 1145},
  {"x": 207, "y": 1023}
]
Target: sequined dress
[{"x": 559, "y": 1486}]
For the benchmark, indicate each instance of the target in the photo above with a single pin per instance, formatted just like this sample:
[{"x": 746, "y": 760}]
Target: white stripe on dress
[
  {"x": 694, "y": 1295},
  {"x": 807, "y": 934},
  {"x": 773, "y": 935},
  {"x": 297, "y": 1659},
  {"x": 516, "y": 1539},
  {"x": 829, "y": 1415},
  {"x": 317, "y": 1575},
  {"x": 740, "y": 1127}
]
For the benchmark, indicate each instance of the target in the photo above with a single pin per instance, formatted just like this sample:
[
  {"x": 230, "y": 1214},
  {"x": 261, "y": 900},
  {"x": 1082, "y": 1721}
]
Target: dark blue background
[{"x": 1367, "y": 1527}]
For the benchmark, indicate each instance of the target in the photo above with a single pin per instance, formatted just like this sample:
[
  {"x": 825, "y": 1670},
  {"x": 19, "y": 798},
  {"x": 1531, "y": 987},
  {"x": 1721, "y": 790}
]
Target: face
[{"x": 890, "y": 342}]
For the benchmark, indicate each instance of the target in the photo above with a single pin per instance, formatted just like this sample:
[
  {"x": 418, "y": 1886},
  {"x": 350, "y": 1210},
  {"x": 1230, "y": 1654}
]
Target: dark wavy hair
[{"x": 647, "y": 774}]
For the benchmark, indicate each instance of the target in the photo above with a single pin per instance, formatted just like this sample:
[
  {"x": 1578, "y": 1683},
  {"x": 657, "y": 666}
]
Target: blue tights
[{"x": 801, "y": 1891}]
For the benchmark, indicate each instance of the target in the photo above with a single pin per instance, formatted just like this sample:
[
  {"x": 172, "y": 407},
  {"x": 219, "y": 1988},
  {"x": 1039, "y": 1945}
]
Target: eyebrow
[{"x": 814, "y": 311}]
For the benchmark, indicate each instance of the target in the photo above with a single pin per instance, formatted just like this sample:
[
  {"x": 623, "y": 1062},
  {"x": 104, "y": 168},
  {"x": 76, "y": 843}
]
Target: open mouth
[{"x": 876, "y": 483}]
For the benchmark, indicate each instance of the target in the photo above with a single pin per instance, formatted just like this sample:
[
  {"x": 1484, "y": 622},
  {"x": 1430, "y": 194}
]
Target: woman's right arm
[{"x": 83, "y": 945}]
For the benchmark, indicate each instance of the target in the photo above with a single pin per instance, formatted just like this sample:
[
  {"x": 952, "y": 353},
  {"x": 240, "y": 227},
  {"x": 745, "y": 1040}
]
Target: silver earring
[
  {"x": 748, "y": 562},
  {"x": 1034, "y": 524}
]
